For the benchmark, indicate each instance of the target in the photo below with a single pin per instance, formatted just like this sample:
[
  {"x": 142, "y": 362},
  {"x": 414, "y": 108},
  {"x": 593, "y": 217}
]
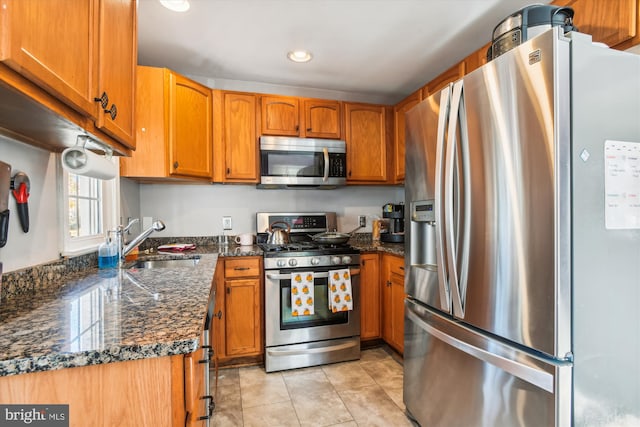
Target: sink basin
[{"x": 167, "y": 263}]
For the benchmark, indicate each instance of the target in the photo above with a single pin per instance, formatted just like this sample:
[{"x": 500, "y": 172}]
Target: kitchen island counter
[{"x": 100, "y": 316}]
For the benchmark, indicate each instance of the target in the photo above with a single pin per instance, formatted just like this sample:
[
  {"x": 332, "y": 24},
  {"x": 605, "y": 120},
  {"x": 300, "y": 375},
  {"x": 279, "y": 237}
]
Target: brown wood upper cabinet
[
  {"x": 322, "y": 118},
  {"x": 235, "y": 142},
  {"x": 301, "y": 117},
  {"x": 174, "y": 128},
  {"x": 82, "y": 52},
  {"x": 399, "y": 138},
  {"x": 280, "y": 115},
  {"x": 454, "y": 73},
  {"x": 365, "y": 135},
  {"x": 612, "y": 22}
]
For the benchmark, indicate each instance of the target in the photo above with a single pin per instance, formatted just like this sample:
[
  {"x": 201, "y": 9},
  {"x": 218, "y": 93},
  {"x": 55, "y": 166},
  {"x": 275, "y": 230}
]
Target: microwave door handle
[{"x": 325, "y": 178}]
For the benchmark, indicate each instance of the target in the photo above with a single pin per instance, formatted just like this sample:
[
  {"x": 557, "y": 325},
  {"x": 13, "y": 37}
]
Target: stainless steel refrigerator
[{"x": 523, "y": 241}]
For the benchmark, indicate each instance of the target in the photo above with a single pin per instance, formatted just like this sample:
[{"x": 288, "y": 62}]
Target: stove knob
[
  {"x": 315, "y": 261},
  {"x": 282, "y": 262},
  {"x": 346, "y": 260},
  {"x": 335, "y": 260},
  {"x": 293, "y": 262}
]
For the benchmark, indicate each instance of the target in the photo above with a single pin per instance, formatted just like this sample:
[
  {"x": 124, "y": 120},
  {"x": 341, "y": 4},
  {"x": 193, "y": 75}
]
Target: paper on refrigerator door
[{"x": 622, "y": 185}]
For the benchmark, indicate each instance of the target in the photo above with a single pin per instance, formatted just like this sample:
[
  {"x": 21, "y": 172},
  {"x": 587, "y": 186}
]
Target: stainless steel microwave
[{"x": 290, "y": 162}]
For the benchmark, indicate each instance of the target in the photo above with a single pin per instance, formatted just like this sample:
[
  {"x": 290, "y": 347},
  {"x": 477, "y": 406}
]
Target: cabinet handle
[
  {"x": 363, "y": 263},
  {"x": 388, "y": 282},
  {"x": 241, "y": 268},
  {"x": 308, "y": 129},
  {"x": 219, "y": 316},
  {"x": 175, "y": 165},
  {"x": 228, "y": 171},
  {"x": 113, "y": 111},
  {"x": 297, "y": 128},
  {"x": 349, "y": 173},
  {"x": 103, "y": 100},
  {"x": 402, "y": 268},
  {"x": 228, "y": 290}
]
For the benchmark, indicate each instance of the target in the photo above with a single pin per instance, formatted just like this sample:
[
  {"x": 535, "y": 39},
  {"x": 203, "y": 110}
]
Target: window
[{"x": 89, "y": 208}]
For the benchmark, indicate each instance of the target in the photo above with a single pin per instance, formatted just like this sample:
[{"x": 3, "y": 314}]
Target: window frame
[{"x": 110, "y": 200}]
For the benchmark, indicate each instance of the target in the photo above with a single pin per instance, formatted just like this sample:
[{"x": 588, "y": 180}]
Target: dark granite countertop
[
  {"x": 101, "y": 316},
  {"x": 93, "y": 316}
]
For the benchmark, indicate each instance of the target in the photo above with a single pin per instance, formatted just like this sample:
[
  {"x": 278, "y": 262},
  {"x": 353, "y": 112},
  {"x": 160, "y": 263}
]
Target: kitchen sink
[{"x": 167, "y": 263}]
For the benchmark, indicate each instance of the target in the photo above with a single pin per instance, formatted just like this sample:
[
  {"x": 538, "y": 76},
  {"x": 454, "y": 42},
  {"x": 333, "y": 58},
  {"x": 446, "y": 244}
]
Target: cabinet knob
[
  {"x": 349, "y": 173},
  {"x": 297, "y": 128},
  {"x": 308, "y": 129},
  {"x": 388, "y": 282},
  {"x": 219, "y": 316},
  {"x": 113, "y": 111},
  {"x": 228, "y": 171},
  {"x": 228, "y": 290},
  {"x": 175, "y": 165},
  {"x": 103, "y": 100}
]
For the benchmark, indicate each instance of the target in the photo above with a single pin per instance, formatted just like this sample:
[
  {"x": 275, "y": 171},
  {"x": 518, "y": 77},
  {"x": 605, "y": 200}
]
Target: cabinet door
[
  {"x": 117, "y": 69},
  {"x": 393, "y": 301},
  {"x": 280, "y": 116},
  {"x": 366, "y": 143},
  {"x": 190, "y": 135},
  {"x": 399, "y": 141},
  {"x": 53, "y": 43},
  {"x": 477, "y": 59},
  {"x": 451, "y": 75},
  {"x": 322, "y": 119},
  {"x": 239, "y": 138},
  {"x": 397, "y": 311},
  {"x": 611, "y": 22},
  {"x": 369, "y": 296},
  {"x": 243, "y": 325},
  {"x": 194, "y": 389}
]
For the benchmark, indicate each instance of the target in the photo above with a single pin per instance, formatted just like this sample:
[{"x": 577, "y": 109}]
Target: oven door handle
[
  {"x": 323, "y": 275},
  {"x": 303, "y": 351}
]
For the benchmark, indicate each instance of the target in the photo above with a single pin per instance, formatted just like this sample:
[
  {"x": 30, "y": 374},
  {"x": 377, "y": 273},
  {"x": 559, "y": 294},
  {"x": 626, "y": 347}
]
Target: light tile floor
[{"x": 366, "y": 392}]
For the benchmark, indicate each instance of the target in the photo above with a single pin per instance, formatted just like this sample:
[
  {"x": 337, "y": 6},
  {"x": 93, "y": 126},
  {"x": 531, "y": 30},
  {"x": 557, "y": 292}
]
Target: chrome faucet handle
[{"x": 132, "y": 221}]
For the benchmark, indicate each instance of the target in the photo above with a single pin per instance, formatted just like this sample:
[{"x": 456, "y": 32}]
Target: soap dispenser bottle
[{"x": 108, "y": 253}]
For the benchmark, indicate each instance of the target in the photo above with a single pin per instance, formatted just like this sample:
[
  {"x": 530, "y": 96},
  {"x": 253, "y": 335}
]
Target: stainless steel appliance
[
  {"x": 294, "y": 162},
  {"x": 323, "y": 337},
  {"x": 523, "y": 241},
  {"x": 527, "y": 23},
  {"x": 394, "y": 213}
]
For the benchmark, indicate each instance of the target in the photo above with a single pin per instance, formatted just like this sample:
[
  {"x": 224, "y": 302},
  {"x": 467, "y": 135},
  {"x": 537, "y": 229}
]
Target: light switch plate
[{"x": 226, "y": 223}]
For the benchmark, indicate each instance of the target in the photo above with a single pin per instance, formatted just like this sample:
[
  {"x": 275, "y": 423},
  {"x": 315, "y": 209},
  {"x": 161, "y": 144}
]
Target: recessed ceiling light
[
  {"x": 299, "y": 56},
  {"x": 176, "y": 5}
]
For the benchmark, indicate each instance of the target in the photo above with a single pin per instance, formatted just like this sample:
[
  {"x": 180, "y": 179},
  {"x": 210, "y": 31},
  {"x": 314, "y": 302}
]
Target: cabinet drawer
[{"x": 242, "y": 268}]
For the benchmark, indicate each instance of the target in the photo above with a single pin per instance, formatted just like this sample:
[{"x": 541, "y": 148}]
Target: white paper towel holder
[{"x": 81, "y": 161}]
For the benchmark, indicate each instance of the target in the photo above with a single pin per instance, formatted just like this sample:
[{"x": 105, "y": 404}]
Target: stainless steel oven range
[{"x": 295, "y": 340}]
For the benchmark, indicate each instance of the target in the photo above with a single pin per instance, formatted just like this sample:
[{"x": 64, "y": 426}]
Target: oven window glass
[
  {"x": 322, "y": 314},
  {"x": 288, "y": 163}
]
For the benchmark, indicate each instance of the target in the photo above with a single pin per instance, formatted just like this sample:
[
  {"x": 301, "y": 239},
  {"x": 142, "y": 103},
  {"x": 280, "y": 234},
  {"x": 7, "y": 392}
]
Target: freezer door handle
[
  {"x": 458, "y": 256},
  {"x": 538, "y": 378},
  {"x": 443, "y": 285}
]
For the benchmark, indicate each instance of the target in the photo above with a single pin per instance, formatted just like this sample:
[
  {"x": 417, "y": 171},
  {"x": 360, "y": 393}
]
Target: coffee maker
[{"x": 395, "y": 215}]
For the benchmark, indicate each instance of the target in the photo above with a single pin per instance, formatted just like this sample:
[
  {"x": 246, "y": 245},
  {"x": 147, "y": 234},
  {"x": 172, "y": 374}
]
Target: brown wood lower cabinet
[
  {"x": 238, "y": 327},
  {"x": 392, "y": 284},
  {"x": 370, "y": 325},
  {"x": 159, "y": 391}
]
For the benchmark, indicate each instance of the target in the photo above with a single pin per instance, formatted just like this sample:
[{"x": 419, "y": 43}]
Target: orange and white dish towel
[
  {"x": 340, "y": 295},
  {"x": 302, "y": 293}
]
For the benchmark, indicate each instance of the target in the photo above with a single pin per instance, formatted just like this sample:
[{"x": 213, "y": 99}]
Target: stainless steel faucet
[{"x": 120, "y": 231}]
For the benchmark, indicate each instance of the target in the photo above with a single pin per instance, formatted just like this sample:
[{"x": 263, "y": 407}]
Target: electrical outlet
[
  {"x": 362, "y": 220},
  {"x": 226, "y": 223}
]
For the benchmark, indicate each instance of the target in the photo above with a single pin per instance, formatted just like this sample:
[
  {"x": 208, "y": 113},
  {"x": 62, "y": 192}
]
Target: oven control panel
[{"x": 312, "y": 261}]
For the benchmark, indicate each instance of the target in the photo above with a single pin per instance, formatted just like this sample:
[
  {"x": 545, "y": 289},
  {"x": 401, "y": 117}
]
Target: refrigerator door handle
[
  {"x": 536, "y": 377},
  {"x": 450, "y": 244},
  {"x": 443, "y": 285}
]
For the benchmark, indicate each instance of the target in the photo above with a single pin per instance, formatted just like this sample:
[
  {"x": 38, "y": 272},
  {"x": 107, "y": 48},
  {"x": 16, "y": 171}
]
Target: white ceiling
[{"x": 384, "y": 49}]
